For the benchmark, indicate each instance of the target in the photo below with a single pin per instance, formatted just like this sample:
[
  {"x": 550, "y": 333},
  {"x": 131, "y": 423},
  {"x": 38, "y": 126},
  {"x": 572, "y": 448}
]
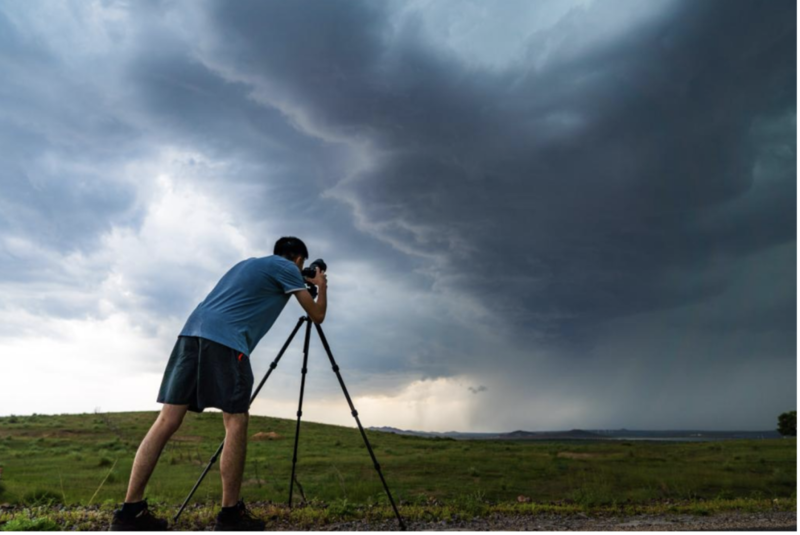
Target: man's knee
[
  {"x": 168, "y": 427},
  {"x": 235, "y": 420},
  {"x": 171, "y": 418}
]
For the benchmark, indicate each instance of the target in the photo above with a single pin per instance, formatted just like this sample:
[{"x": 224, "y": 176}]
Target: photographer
[{"x": 210, "y": 367}]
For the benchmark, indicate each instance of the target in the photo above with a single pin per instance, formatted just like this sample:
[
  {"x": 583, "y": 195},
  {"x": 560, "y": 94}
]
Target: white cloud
[
  {"x": 186, "y": 239},
  {"x": 77, "y": 365},
  {"x": 424, "y": 405}
]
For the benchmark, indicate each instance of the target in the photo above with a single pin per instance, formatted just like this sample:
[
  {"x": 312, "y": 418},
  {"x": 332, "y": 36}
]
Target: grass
[
  {"x": 30, "y": 524},
  {"x": 78, "y": 459}
]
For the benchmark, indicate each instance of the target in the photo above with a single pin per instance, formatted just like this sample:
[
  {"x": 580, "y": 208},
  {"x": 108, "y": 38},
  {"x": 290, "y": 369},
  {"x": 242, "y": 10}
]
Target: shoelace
[
  {"x": 245, "y": 514},
  {"x": 146, "y": 515},
  {"x": 248, "y": 515}
]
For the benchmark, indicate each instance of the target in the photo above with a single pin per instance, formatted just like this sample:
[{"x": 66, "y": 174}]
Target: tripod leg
[
  {"x": 354, "y": 412},
  {"x": 300, "y": 406},
  {"x": 274, "y": 363},
  {"x": 219, "y": 450},
  {"x": 202, "y": 476}
]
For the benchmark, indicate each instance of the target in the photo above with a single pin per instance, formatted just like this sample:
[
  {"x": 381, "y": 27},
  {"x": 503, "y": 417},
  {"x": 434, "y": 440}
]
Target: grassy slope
[{"x": 66, "y": 457}]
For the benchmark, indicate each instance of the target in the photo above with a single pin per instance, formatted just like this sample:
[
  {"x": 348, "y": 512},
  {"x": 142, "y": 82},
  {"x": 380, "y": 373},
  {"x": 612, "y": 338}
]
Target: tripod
[{"x": 353, "y": 411}]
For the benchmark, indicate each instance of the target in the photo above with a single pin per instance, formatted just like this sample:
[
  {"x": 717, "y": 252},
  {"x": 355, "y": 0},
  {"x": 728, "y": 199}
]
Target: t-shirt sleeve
[{"x": 290, "y": 279}]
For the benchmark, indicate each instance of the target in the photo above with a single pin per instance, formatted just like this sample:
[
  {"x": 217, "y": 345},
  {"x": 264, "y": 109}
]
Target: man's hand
[
  {"x": 320, "y": 279},
  {"x": 315, "y": 309}
]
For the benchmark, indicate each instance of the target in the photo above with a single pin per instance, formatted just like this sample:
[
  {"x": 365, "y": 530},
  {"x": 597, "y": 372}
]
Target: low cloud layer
[{"x": 551, "y": 214}]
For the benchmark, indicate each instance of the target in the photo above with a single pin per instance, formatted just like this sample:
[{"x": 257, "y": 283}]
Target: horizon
[{"x": 366, "y": 427}]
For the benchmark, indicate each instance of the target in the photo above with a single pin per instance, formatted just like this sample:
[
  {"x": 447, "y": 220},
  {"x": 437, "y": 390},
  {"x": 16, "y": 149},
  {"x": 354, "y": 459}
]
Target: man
[{"x": 210, "y": 367}]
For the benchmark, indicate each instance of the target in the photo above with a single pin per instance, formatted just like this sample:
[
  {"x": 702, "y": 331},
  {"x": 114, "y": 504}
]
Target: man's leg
[
  {"x": 149, "y": 451},
  {"x": 233, "y": 455}
]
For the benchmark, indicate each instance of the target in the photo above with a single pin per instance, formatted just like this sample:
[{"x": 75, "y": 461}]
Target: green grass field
[{"x": 86, "y": 459}]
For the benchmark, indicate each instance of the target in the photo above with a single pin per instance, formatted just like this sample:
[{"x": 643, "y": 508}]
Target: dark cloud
[
  {"x": 59, "y": 144},
  {"x": 621, "y": 179},
  {"x": 558, "y": 196},
  {"x": 516, "y": 221}
]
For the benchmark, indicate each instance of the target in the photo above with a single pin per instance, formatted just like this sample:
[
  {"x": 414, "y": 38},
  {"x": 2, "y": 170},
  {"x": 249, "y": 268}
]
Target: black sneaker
[
  {"x": 239, "y": 519},
  {"x": 141, "y": 521}
]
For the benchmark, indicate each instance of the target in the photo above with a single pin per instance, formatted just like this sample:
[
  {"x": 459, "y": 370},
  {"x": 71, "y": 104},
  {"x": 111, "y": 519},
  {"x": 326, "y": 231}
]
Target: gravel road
[
  {"x": 92, "y": 518},
  {"x": 730, "y": 521}
]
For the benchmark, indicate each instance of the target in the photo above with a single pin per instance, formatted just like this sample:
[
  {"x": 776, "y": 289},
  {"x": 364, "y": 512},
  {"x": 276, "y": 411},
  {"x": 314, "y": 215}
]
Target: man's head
[{"x": 292, "y": 249}]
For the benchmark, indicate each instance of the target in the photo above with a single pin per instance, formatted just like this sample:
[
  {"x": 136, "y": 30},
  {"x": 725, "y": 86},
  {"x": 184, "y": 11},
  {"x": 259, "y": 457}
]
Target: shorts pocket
[{"x": 244, "y": 382}]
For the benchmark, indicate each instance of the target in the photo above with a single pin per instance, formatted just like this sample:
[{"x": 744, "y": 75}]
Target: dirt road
[
  {"x": 772, "y": 521},
  {"x": 91, "y": 518}
]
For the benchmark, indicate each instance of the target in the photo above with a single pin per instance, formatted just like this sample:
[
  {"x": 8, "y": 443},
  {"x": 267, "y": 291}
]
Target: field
[{"x": 84, "y": 460}]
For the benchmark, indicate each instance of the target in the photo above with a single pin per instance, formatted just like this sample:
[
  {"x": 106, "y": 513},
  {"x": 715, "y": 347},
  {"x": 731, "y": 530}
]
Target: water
[
  {"x": 677, "y": 439},
  {"x": 669, "y": 439}
]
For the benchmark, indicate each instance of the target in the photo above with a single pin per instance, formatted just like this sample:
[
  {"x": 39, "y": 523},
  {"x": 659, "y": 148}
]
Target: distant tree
[{"x": 787, "y": 424}]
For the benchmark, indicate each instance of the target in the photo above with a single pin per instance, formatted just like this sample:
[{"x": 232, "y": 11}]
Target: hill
[{"x": 86, "y": 459}]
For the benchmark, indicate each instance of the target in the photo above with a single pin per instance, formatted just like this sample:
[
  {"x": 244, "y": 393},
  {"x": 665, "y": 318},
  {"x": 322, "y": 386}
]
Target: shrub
[
  {"x": 114, "y": 444},
  {"x": 591, "y": 496},
  {"x": 30, "y": 524},
  {"x": 41, "y": 497},
  {"x": 473, "y": 504},
  {"x": 787, "y": 424},
  {"x": 726, "y": 494},
  {"x": 342, "y": 508}
]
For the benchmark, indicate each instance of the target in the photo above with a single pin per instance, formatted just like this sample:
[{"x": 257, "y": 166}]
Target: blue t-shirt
[{"x": 245, "y": 302}]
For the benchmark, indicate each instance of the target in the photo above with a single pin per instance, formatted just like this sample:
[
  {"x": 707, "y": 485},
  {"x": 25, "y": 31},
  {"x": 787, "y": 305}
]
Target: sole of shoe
[
  {"x": 228, "y": 527},
  {"x": 129, "y": 527},
  {"x": 118, "y": 527}
]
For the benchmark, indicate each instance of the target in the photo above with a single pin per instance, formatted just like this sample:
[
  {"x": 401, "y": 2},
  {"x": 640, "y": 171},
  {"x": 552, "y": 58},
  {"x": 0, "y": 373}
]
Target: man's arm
[{"x": 315, "y": 310}]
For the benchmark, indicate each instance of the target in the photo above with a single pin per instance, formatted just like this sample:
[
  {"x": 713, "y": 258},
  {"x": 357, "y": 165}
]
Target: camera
[{"x": 311, "y": 272}]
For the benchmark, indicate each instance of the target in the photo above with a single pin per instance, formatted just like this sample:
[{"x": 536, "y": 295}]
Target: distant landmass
[{"x": 591, "y": 434}]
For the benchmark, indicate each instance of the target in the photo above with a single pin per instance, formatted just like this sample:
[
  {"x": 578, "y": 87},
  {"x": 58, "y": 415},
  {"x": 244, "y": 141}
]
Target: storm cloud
[{"x": 586, "y": 208}]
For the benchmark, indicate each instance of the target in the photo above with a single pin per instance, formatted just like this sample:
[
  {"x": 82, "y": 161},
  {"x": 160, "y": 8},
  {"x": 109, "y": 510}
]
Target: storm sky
[{"x": 537, "y": 215}]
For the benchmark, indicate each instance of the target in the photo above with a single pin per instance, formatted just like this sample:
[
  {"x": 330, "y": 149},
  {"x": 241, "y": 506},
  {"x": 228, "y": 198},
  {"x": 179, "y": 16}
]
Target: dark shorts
[{"x": 202, "y": 373}]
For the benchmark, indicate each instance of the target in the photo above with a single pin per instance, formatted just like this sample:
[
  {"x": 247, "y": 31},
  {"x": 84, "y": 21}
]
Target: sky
[{"x": 537, "y": 215}]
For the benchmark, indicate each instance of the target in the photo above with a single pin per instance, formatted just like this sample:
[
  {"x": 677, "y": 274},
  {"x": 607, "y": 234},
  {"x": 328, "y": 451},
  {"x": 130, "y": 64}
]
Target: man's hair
[{"x": 290, "y": 247}]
